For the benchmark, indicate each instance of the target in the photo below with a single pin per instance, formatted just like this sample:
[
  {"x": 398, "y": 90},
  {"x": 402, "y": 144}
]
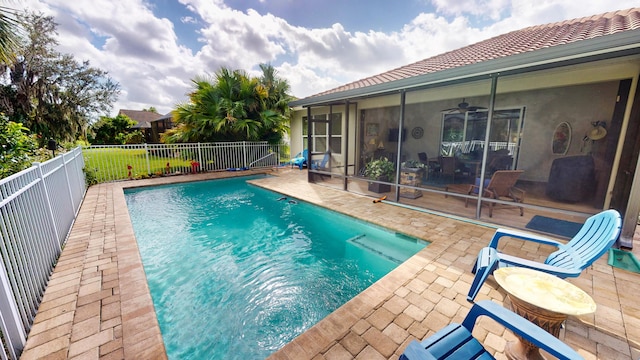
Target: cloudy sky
[{"x": 153, "y": 48}]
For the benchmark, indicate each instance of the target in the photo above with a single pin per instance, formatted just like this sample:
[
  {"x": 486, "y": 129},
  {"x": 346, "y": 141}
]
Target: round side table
[{"x": 543, "y": 299}]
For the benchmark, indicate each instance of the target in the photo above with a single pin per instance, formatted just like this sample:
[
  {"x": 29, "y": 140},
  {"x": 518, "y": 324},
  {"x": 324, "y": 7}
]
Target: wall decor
[
  {"x": 372, "y": 129},
  {"x": 561, "y": 139},
  {"x": 417, "y": 132}
]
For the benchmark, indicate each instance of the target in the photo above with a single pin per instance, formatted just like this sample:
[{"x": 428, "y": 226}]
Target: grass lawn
[{"x": 110, "y": 164}]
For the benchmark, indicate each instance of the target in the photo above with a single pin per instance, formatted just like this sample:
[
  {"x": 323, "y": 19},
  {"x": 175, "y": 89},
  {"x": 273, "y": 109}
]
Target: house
[
  {"x": 150, "y": 123},
  {"x": 559, "y": 101},
  {"x": 143, "y": 120},
  {"x": 160, "y": 125}
]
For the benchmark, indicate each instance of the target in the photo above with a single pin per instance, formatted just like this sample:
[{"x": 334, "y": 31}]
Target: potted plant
[
  {"x": 381, "y": 170},
  {"x": 413, "y": 164}
]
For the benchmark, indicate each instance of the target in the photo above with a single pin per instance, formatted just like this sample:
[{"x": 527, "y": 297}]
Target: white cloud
[
  {"x": 189, "y": 20},
  {"x": 142, "y": 52}
]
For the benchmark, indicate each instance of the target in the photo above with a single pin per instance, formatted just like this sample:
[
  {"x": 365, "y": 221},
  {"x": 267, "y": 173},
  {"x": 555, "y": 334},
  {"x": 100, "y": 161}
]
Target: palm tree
[
  {"x": 10, "y": 28},
  {"x": 232, "y": 106},
  {"x": 277, "y": 113}
]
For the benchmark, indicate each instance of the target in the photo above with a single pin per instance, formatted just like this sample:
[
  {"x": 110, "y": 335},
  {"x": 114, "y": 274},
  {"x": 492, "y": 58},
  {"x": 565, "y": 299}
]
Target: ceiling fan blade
[{"x": 451, "y": 110}]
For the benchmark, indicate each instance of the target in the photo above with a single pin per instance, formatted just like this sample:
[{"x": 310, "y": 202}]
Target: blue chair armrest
[
  {"x": 522, "y": 235},
  {"x": 415, "y": 351},
  {"x": 487, "y": 262},
  {"x": 522, "y": 327},
  {"x": 561, "y": 272}
]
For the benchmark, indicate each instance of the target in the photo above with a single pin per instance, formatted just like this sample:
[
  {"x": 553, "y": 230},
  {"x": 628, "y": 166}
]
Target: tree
[
  {"x": 113, "y": 131},
  {"x": 51, "y": 93},
  {"x": 233, "y": 107},
  {"x": 9, "y": 34}
]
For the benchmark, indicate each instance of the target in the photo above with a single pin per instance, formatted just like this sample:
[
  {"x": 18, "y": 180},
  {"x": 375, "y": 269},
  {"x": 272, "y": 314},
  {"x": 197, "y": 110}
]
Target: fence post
[
  {"x": 49, "y": 209},
  {"x": 244, "y": 154},
  {"x": 202, "y": 164},
  {"x": 146, "y": 153},
  {"x": 66, "y": 177}
]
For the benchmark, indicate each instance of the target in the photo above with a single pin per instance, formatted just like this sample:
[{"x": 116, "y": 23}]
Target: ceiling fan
[{"x": 464, "y": 107}]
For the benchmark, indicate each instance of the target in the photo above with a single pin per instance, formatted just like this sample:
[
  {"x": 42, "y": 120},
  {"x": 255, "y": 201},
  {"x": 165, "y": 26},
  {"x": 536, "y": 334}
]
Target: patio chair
[
  {"x": 449, "y": 167},
  {"x": 501, "y": 186},
  {"x": 595, "y": 237},
  {"x": 300, "y": 159},
  {"x": 432, "y": 165},
  {"x": 456, "y": 342},
  {"x": 321, "y": 165}
]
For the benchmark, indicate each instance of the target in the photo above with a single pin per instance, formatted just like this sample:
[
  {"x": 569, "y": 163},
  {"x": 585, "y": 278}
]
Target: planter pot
[
  {"x": 411, "y": 177},
  {"x": 379, "y": 188}
]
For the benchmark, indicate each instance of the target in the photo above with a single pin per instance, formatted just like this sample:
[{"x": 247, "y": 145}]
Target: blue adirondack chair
[
  {"x": 300, "y": 160},
  {"x": 455, "y": 341},
  {"x": 595, "y": 237},
  {"x": 321, "y": 165}
]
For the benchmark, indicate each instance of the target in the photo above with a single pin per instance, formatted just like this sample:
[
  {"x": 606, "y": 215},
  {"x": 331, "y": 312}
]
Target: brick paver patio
[{"x": 98, "y": 306}]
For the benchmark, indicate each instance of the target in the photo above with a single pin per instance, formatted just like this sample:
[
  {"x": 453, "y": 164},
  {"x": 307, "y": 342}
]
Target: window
[
  {"x": 464, "y": 133},
  {"x": 320, "y": 135}
]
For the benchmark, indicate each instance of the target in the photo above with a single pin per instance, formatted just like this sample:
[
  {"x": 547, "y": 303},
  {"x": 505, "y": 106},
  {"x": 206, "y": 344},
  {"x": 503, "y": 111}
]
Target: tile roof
[
  {"x": 168, "y": 115},
  {"x": 516, "y": 42},
  {"x": 143, "y": 118}
]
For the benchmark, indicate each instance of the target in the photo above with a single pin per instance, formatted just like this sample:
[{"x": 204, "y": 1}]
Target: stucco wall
[{"x": 546, "y": 108}]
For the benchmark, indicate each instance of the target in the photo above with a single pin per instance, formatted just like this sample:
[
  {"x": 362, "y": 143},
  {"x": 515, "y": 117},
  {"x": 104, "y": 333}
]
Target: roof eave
[{"x": 600, "y": 48}]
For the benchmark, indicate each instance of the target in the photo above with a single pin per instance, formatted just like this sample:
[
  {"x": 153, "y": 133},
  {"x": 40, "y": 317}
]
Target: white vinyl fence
[
  {"x": 119, "y": 162},
  {"x": 37, "y": 209}
]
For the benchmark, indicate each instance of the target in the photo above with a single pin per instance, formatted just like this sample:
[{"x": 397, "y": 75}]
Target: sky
[{"x": 155, "y": 48}]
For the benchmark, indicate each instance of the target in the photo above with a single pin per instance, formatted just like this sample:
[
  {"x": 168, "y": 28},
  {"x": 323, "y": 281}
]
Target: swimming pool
[{"x": 238, "y": 271}]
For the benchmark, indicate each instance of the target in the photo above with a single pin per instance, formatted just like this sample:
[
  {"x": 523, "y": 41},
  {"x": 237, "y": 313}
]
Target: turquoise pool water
[{"x": 236, "y": 271}]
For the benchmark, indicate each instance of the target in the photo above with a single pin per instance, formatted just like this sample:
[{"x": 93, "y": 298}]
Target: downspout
[
  {"x": 346, "y": 146},
  {"x": 330, "y": 136},
  {"x": 485, "y": 152},
  {"x": 308, "y": 144},
  {"x": 630, "y": 221},
  {"x": 399, "y": 148}
]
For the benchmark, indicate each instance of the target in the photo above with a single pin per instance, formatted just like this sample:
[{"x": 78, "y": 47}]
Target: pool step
[{"x": 398, "y": 250}]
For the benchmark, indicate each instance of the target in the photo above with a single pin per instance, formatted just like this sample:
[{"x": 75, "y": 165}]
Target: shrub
[{"x": 16, "y": 147}]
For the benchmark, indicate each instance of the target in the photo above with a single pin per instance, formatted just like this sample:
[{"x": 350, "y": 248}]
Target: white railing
[
  {"x": 449, "y": 148},
  {"x": 37, "y": 209},
  {"x": 120, "y": 162}
]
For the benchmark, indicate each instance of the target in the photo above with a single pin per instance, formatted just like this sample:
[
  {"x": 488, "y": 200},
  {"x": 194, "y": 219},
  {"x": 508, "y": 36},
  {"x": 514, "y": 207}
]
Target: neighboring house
[
  {"x": 566, "y": 90},
  {"x": 143, "y": 121},
  {"x": 160, "y": 125}
]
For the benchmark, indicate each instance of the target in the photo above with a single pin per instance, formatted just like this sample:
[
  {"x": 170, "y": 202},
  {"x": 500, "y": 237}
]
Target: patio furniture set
[{"x": 540, "y": 299}]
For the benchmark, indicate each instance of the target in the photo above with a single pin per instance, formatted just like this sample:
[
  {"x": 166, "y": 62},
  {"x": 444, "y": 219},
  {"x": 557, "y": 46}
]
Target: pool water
[{"x": 236, "y": 271}]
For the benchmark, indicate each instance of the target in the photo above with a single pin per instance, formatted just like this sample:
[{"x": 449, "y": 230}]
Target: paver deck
[{"x": 97, "y": 304}]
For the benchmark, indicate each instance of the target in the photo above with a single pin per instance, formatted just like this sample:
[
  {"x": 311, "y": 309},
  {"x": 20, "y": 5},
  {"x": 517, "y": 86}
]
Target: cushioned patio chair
[
  {"x": 501, "y": 186},
  {"x": 456, "y": 342},
  {"x": 300, "y": 159},
  {"x": 595, "y": 237}
]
